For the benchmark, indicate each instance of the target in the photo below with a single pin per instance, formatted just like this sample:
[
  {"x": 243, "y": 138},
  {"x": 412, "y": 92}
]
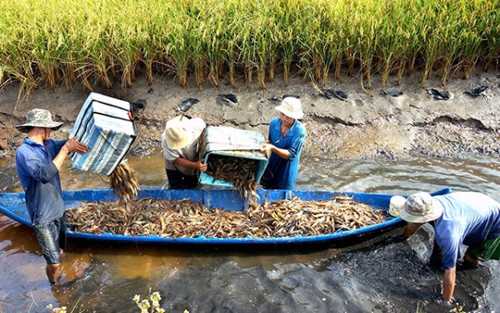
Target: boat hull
[{"x": 13, "y": 205}]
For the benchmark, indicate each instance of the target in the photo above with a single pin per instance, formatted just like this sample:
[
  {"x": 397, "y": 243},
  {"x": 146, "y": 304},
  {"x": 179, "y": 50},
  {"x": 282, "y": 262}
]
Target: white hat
[
  {"x": 39, "y": 118},
  {"x": 396, "y": 204},
  {"x": 291, "y": 107},
  {"x": 177, "y": 134},
  {"x": 420, "y": 208}
]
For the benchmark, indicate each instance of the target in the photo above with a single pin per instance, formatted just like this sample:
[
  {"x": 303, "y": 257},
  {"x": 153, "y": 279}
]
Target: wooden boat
[{"x": 13, "y": 205}]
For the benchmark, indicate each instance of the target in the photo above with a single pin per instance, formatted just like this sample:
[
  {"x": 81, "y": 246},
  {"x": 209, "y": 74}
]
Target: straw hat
[
  {"x": 291, "y": 107},
  {"x": 39, "y": 118},
  {"x": 420, "y": 208},
  {"x": 182, "y": 131}
]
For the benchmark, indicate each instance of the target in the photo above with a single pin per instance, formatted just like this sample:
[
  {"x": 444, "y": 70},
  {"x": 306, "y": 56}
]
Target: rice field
[{"x": 102, "y": 42}]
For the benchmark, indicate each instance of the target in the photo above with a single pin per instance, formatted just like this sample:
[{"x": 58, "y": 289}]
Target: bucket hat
[
  {"x": 39, "y": 118},
  {"x": 182, "y": 131},
  {"x": 291, "y": 107},
  {"x": 420, "y": 208}
]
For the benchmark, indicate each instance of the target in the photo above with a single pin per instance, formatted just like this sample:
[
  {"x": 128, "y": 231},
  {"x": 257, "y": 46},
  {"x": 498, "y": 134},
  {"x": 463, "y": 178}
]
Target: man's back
[{"x": 468, "y": 218}]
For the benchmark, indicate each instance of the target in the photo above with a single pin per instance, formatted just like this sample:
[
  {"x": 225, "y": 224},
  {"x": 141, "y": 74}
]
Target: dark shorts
[
  {"x": 51, "y": 237},
  {"x": 177, "y": 180}
]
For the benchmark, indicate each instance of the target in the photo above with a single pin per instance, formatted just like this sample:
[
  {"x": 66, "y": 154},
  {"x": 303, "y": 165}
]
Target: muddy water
[{"x": 376, "y": 276}]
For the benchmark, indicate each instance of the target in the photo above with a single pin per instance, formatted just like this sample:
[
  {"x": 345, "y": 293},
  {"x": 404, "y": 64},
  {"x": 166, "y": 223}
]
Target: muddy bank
[{"x": 368, "y": 124}]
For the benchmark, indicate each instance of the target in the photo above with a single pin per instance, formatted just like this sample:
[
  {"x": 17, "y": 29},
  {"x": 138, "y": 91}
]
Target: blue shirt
[
  {"x": 282, "y": 173},
  {"x": 468, "y": 218},
  {"x": 40, "y": 179}
]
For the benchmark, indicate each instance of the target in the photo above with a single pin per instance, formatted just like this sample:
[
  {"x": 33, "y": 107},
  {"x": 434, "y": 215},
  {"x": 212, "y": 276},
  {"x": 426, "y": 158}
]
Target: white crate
[{"x": 106, "y": 126}]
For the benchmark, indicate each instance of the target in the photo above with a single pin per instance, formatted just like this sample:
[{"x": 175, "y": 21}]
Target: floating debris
[{"x": 187, "y": 219}]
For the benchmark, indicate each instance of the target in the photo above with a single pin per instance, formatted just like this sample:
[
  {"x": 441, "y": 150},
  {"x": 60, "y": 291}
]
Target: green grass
[{"x": 105, "y": 41}]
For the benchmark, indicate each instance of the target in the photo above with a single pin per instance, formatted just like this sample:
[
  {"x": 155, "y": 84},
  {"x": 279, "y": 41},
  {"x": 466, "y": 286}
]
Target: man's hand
[
  {"x": 266, "y": 148},
  {"x": 444, "y": 302},
  {"x": 201, "y": 166},
  {"x": 72, "y": 145},
  {"x": 449, "y": 283}
]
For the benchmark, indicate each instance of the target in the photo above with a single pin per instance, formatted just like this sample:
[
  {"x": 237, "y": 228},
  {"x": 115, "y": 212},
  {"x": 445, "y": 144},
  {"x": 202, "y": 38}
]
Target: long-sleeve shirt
[
  {"x": 39, "y": 178},
  {"x": 282, "y": 173},
  {"x": 468, "y": 218}
]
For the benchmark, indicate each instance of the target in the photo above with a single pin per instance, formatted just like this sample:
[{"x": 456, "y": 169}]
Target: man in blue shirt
[
  {"x": 285, "y": 141},
  {"x": 468, "y": 218},
  {"x": 38, "y": 161}
]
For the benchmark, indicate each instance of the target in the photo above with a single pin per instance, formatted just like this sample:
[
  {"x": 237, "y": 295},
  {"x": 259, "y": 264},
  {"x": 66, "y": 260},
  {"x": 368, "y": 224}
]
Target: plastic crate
[
  {"x": 231, "y": 142},
  {"x": 106, "y": 126}
]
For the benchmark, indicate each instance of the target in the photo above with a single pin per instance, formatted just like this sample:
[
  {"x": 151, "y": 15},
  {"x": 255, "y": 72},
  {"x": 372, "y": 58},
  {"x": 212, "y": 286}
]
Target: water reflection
[{"x": 370, "y": 277}]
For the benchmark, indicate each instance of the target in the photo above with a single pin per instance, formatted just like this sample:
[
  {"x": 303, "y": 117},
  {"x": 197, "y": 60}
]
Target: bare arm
[
  {"x": 282, "y": 153},
  {"x": 449, "y": 283},
  {"x": 411, "y": 228},
  {"x": 196, "y": 165},
  {"x": 72, "y": 145}
]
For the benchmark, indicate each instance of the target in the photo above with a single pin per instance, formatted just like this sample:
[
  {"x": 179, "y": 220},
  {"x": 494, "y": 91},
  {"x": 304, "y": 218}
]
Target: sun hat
[
  {"x": 182, "y": 131},
  {"x": 395, "y": 205},
  {"x": 420, "y": 208},
  {"x": 291, "y": 107},
  {"x": 39, "y": 118}
]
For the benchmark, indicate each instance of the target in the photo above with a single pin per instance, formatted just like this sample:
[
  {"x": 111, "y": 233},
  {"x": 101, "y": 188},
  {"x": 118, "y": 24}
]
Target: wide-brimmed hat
[
  {"x": 181, "y": 131},
  {"x": 291, "y": 107},
  {"x": 39, "y": 118},
  {"x": 420, "y": 208}
]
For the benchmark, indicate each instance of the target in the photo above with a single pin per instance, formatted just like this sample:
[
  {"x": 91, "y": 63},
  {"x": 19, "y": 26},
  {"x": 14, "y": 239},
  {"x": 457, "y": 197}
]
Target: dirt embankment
[{"x": 367, "y": 124}]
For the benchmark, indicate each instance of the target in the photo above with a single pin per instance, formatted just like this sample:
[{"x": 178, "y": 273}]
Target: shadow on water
[{"x": 378, "y": 275}]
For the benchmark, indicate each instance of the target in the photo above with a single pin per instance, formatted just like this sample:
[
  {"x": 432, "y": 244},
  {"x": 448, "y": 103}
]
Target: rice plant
[{"x": 109, "y": 42}]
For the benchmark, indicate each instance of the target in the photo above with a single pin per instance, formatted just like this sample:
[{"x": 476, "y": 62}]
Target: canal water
[{"x": 376, "y": 276}]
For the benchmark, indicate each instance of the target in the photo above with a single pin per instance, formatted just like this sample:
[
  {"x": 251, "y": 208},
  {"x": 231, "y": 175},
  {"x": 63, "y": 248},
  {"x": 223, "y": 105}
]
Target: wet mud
[
  {"x": 369, "y": 143},
  {"x": 378, "y": 275},
  {"x": 367, "y": 124}
]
